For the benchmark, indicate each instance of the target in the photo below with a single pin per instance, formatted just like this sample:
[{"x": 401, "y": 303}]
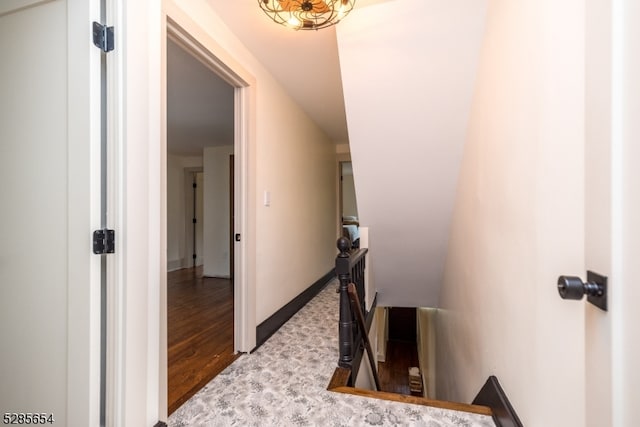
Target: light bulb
[{"x": 294, "y": 22}]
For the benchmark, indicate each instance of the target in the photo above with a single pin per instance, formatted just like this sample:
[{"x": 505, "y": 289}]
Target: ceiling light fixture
[{"x": 307, "y": 14}]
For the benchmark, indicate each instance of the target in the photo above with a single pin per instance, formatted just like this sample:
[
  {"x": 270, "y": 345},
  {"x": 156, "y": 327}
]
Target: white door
[
  {"x": 49, "y": 193},
  {"x": 612, "y": 238}
]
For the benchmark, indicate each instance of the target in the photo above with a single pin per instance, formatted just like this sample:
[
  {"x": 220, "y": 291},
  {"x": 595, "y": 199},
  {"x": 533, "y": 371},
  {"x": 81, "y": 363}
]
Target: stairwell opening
[{"x": 406, "y": 350}]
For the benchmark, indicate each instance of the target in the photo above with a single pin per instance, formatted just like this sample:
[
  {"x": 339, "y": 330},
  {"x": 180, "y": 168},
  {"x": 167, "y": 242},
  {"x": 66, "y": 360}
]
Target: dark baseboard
[
  {"x": 493, "y": 396},
  {"x": 160, "y": 424},
  {"x": 280, "y": 317}
]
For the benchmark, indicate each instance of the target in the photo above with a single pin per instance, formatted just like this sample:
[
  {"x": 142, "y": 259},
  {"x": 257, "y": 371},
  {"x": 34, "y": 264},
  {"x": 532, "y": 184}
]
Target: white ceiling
[
  {"x": 199, "y": 105},
  {"x": 305, "y": 63}
]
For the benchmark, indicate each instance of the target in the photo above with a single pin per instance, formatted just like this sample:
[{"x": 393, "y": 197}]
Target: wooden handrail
[{"x": 355, "y": 306}]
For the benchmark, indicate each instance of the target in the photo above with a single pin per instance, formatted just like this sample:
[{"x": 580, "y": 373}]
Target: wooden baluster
[
  {"x": 346, "y": 323},
  {"x": 361, "y": 289}
]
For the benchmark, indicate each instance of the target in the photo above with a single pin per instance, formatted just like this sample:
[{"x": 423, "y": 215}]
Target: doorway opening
[
  {"x": 407, "y": 350},
  {"x": 196, "y": 229},
  {"x": 347, "y": 204},
  {"x": 200, "y": 252}
]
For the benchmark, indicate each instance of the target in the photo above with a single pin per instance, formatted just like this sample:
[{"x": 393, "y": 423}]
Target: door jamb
[
  {"x": 187, "y": 34},
  {"x": 187, "y": 262},
  {"x": 188, "y": 42}
]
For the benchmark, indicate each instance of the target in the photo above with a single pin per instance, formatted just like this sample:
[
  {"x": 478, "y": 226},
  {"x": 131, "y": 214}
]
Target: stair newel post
[{"x": 346, "y": 323}]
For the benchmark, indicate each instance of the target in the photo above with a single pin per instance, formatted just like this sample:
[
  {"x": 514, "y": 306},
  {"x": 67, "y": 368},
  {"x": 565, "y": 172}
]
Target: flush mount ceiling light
[{"x": 307, "y": 14}]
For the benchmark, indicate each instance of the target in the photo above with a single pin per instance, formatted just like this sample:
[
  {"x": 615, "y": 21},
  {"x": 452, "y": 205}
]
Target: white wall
[
  {"x": 612, "y": 243},
  {"x": 408, "y": 70},
  {"x": 365, "y": 377},
  {"x": 178, "y": 209},
  {"x": 50, "y": 191},
  {"x": 427, "y": 345},
  {"x": 216, "y": 211},
  {"x": 349, "y": 204},
  {"x": 519, "y": 219},
  {"x": 291, "y": 243},
  {"x": 625, "y": 327},
  {"x": 137, "y": 269}
]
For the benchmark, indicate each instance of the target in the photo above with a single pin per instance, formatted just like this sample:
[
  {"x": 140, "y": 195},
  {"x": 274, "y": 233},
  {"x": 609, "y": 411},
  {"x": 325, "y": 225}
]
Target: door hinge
[
  {"x": 104, "y": 241},
  {"x": 103, "y": 37}
]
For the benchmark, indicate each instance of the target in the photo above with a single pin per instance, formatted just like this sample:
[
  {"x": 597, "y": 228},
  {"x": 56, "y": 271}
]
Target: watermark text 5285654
[{"x": 22, "y": 418}]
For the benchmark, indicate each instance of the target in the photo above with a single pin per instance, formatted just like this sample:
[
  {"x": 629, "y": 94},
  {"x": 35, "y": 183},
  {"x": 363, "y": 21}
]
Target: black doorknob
[{"x": 572, "y": 287}]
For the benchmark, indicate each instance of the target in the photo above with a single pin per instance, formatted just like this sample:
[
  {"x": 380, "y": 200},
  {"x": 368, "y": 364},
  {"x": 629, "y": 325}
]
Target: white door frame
[
  {"x": 137, "y": 272},
  {"x": 207, "y": 51},
  {"x": 183, "y": 31},
  {"x": 612, "y": 209},
  {"x": 187, "y": 260},
  {"x": 133, "y": 272}
]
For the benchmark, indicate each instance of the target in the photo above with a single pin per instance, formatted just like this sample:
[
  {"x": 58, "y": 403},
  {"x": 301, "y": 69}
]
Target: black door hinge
[
  {"x": 104, "y": 241},
  {"x": 103, "y": 37}
]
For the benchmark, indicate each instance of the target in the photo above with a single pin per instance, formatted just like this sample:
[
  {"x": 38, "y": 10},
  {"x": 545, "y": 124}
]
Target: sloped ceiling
[
  {"x": 305, "y": 63},
  {"x": 408, "y": 120}
]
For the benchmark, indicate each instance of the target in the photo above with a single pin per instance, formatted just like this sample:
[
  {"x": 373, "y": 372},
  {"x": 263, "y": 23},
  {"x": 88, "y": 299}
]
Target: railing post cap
[{"x": 343, "y": 244}]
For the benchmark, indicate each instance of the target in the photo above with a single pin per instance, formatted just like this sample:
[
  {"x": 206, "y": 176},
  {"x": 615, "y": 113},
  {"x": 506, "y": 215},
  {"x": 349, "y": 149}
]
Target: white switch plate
[{"x": 267, "y": 198}]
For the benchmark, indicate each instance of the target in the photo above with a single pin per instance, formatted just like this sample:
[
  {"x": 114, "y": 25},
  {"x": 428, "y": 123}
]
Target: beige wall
[
  {"x": 427, "y": 346},
  {"x": 519, "y": 219},
  {"x": 296, "y": 234},
  {"x": 349, "y": 204}
]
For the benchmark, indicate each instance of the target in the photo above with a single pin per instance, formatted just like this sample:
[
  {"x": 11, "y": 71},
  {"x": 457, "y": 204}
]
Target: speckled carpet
[{"x": 284, "y": 383}]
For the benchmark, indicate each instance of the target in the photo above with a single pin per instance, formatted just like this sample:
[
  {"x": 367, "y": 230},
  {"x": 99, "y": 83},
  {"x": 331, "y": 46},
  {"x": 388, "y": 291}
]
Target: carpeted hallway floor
[{"x": 284, "y": 383}]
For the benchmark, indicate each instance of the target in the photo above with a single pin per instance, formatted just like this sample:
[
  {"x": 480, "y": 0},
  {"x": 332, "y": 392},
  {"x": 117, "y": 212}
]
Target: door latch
[{"x": 572, "y": 287}]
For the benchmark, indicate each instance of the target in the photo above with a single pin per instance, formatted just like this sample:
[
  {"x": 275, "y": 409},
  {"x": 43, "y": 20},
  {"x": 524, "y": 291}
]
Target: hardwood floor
[
  {"x": 394, "y": 372},
  {"x": 200, "y": 331}
]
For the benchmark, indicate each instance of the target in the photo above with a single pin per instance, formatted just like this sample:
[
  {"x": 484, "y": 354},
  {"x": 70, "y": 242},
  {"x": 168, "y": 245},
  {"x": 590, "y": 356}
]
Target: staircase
[
  {"x": 340, "y": 384},
  {"x": 357, "y": 310}
]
